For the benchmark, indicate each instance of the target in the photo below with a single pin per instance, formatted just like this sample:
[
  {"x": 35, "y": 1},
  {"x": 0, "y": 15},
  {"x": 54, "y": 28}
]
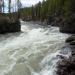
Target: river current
[{"x": 32, "y": 51}]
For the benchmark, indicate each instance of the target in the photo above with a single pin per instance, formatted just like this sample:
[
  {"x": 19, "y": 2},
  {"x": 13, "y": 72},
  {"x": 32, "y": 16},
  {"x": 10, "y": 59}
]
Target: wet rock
[
  {"x": 7, "y": 26},
  {"x": 70, "y": 39},
  {"x": 60, "y": 56},
  {"x": 72, "y": 43},
  {"x": 66, "y": 66}
]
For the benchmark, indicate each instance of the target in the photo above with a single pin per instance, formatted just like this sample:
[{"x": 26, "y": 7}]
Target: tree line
[
  {"x": 16, "y": 6},
  {"x": 43, "y": 10}
]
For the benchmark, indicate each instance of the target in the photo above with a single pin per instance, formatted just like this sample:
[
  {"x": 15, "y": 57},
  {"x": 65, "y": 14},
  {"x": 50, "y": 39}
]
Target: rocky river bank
[{"x": 66, "y": 65}]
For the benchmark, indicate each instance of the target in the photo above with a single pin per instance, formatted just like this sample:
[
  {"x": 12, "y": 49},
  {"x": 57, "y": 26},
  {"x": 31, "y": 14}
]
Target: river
[{"x": 32, "y": 51}]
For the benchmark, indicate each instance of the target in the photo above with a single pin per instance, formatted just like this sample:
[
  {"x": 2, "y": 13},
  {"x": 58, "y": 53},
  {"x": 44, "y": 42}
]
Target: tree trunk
[
  {"x": 9, "y": 6},
  {"x": 0, "y": 6},
  {"x": 3, "y": 6}
]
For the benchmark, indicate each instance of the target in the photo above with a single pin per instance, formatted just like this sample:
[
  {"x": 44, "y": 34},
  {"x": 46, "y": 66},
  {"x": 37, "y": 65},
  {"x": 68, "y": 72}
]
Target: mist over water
[{"x": 32, "y": 51}]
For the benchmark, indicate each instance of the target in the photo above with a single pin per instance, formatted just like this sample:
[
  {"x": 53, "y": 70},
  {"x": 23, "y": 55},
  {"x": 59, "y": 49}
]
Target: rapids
[{"x": 32, "y": 51}]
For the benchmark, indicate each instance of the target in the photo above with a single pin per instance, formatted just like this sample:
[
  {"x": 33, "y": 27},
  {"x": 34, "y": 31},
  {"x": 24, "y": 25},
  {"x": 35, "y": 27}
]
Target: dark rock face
[
  {"x": 68, "y": 25},
  {"x": 55, "y": 19},
  {"x": 66, "y": 66},
  {"x": 71, "y": 40},
  {"x": 50, "y": 20},
  {"x": 67, "y": 28},
  {"x": 9, "y": 26},
  {"x": 72, "y": 43}
]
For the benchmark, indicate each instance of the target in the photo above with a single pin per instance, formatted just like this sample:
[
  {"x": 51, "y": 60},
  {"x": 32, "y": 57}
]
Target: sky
[
  {"x": 29, "y": 2},
  {"x": 25, "y": 3}
]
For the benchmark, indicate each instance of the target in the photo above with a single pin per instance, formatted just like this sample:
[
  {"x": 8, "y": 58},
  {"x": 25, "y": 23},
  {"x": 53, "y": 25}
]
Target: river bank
[
  {"x": 66, "y": 65},
  {"x": 65, "y": 24},
  {"x": 9, "y": 23}
]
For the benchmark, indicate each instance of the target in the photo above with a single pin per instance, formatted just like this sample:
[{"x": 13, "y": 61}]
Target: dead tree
[
  {"x": 9, "y": 8},
  {"x": 0, "y": 6}
]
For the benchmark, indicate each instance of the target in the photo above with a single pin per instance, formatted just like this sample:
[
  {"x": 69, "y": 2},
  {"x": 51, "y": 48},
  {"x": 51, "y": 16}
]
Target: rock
[
  {"x": 7, "y": 26},
  {"x": 68, "y": 24},
  {"x": 72, "y": 43},
  {"x": 50, "y": 20},
  {"x": 66, "y": 28},
  {"x": 70, "y": 39},
  {"x": 66, "y": 66}
]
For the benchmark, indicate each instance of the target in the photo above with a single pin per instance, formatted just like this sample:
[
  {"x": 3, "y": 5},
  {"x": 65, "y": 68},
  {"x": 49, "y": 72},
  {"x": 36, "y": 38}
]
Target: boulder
[
  {"x": 70, "y": 39},
  {"x": 7, "y": 25},
  {"x": 72, "y": 43}
]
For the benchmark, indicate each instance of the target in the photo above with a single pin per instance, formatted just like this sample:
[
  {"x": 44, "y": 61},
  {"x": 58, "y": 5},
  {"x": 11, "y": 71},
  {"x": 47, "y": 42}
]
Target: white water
[{"x": 31, "y": 52}]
